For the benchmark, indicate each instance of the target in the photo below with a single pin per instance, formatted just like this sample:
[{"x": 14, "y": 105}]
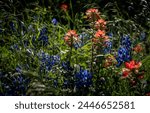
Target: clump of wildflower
[
  {"x": 142, "y": 36},
  {"x": 100, "y": 34},
  {"x": 83, "y": 78},
  {"x": 66, "y": 66},
  {"x": 71, "y": 38},
  {"x": 14, "y": 84},
  {"x": 107, "y": 47},
  {"x": 101, "y": 42},
  {"x": 48, "y": 61},
  {"x": 100, "y": 37},
  {"x": 54, "y": 21},
  {"x": 126, "y": 42},
  {"x": 138, "y": 48},
  {"x": 124, "y": 51},
  {"x": 64, "y": 6},
  {"x": 100, "y": 24},
  {"x": 133, "y": 65},
  {"x": 123, "y": 56},
  {"x": 43, "y": 38},
  {"x": 93, "y": 14}
]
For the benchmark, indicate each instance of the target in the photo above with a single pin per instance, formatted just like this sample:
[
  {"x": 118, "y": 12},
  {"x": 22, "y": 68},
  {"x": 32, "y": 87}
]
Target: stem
[{"x": 71, "y": 49}]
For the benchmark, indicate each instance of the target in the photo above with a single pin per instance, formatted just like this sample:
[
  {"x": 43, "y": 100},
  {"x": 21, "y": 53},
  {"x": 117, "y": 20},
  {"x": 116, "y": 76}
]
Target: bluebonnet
[
  {"x": 12, "y": 26},
  {"x": 54, "y": 21},
  {"x": 48, "y": 61},
  {"x": 123, "y": 56},
  {"x": 126, "y": 42},
  {"x": 43, "y": 31},
  {"x": 43, "y": 38},
  {"x": 77, "y": 45},
  {"x": 142, "y": 36},
  {"x": 65, "y": 83},
  {"x": 66, "y": 66},
  {"x": 124, "y": 52},
  {"x": 18, "y": 69},
  {"x": 108, "y": 47},
  {"x": 14, "y": 85},
  {"x": 83, "y": 78},
  {"x": 84, "y": 37},
  {"x": 110, "y": 34}
]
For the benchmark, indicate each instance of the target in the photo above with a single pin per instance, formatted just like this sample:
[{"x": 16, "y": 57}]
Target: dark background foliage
[{"x": 137, "y": 10}]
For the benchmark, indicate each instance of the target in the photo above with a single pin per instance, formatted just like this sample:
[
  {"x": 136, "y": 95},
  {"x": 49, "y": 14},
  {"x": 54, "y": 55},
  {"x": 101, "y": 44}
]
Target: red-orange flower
[
  {"x": 64, "y": 6},
  {"x": 138, "y": 48},
  {"x": 125, "y": 72},
  {"x": 133, "y": 65},
  {"x": 71, "y": 37},
  {"x": 100, "y": 37},
  {"x": 93, "y": 14},
  {"x": 100, "y": 34},
  {"x": 100, "y": 24}
]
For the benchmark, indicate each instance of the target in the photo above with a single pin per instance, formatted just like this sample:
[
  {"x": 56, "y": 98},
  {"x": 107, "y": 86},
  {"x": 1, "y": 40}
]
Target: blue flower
[
  {"x": 54, "y": 21},
  {"x": 15, "y": 85},
  {"x": 77, "y": 45},
  {"x": 43, "y": 31},
  {"x": 124, "y": 51},
  {"x": 108, "y": 47},
  {"x": 83, "y": 78},
  {"x": 110, "y": 34},
  {"x": 66, "y": 66},
  {"x": 18, "y": 69},
  {"x": 142, "y": 36},
  {"x": 43, "y": 40},
  {"x": 84, "y": 37},
  {"x": 123, "y": 56},
  {"x": 66, "y": 83},
  {"x": 47, "y": 61},
  {"x": 12, "y": 26},
  {"x": 126, "y": 42}
]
